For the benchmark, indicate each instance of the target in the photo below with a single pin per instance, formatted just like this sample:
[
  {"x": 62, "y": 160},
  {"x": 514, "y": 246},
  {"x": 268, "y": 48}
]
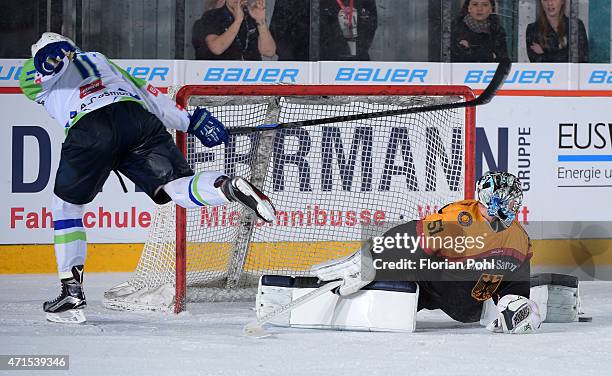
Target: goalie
[
  {"x": 432, "y": 266},
  {"x": 115, "y": 122}
]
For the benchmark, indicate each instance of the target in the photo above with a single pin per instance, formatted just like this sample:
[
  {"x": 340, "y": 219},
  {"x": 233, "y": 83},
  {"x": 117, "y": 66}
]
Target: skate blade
[
  {"x": 264, "y": 207},
  {"x": 73, "y": 316}
]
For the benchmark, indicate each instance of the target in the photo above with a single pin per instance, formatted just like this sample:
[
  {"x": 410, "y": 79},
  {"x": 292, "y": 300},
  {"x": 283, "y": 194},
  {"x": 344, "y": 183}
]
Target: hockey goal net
[{"x": 328, "y": 183}]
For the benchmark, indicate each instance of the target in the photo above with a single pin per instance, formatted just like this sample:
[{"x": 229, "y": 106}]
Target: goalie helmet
[
  {"x": 48, "y": 38},
  {"x": 502, "y": 194}
]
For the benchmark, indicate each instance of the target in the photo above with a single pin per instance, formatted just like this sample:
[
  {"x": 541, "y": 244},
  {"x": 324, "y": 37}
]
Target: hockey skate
[
  {"x": 68, "y": 306},
  {"x": 240, "y": 190}
]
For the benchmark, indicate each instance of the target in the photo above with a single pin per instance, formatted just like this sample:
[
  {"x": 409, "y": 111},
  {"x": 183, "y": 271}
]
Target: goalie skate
[{"x": 240, "y": 190}]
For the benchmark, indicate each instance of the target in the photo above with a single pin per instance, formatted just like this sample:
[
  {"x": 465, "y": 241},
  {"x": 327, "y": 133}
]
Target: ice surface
[{"x": 208, "y": 340}]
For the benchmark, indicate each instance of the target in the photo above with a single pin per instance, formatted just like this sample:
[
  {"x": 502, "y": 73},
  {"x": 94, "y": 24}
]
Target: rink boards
[{"x": 551, "y": 126}]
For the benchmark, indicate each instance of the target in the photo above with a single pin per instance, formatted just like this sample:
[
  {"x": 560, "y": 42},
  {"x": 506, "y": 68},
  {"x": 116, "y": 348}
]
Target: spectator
[
  {"x": 477, "y": 35},
  {"x": 235, "y": 31},
  {"x": 290, "y": 27},
  {"x": 213, "y": 4},
  {"x": 347, "y": 29},
  {"x": 547, "y": 38}
]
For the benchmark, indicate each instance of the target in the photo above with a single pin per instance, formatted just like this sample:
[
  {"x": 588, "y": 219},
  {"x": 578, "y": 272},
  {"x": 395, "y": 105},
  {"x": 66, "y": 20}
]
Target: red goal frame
[{"x": 187, "y": 91}]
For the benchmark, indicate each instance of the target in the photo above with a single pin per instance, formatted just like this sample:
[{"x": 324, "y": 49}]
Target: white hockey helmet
[
  {"x": 48, "y": 38},
  {"x": 502, "y": 194}
]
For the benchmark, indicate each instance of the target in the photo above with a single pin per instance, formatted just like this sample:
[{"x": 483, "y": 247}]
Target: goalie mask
[
  {"x": 48, "y": 38},
  {"x": 501, "y": 193}
]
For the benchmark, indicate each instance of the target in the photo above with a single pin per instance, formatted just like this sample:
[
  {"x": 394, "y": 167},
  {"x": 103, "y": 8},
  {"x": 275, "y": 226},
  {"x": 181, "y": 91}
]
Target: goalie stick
[
  {"x": 255, "y": 328},
  {"x": 503, "y": 68}
]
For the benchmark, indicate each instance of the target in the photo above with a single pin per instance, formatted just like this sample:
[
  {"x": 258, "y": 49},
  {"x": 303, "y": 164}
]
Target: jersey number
[
  {"x": 85, "y": 67},
  {"x": 435, "y": 227}
]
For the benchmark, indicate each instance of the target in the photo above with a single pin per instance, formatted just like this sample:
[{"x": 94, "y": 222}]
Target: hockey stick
[
  {"x": 255, "y": 328},
  {"x": 503, "y": 68}
]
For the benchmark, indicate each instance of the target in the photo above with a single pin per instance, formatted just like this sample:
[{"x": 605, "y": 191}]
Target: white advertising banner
[
  {"x": 595, "y": 77},
  {"x": 161, "y": 73},
  {"x": 383, "y": 73},
  {"x": 9, "y": 72},
  {"x": 560, "y": 147},
  {"x": 521, "y": 77},
  {"x": 243, "y": 73}
]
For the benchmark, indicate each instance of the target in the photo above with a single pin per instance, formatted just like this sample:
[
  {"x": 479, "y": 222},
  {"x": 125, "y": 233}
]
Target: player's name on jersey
[{"x": 429, "y": 264}]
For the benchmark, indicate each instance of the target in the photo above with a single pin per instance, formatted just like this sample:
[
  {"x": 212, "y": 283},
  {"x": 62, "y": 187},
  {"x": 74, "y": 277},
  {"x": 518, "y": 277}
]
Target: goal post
[{"x": 328, "y": 182}]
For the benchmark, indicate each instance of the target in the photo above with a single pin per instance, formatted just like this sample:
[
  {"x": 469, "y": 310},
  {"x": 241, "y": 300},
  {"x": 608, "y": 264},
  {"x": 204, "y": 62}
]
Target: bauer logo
[
  {"x": 348, "y": 74},
  {"x": 252, "y": 75},
  {"x": 600, "y": 77},
  {"x": 9, "y": 72},
  {"x": 149, "y": 73},
  {"x": 519, "y": 76}
]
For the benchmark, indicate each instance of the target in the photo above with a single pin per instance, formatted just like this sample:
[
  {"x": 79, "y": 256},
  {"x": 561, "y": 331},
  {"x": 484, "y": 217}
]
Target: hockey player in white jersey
[{"x": 115, "y": 122}]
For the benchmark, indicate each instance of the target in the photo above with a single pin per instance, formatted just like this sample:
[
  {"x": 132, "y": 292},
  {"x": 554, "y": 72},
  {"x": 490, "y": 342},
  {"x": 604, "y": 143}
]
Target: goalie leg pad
[
  {"x": 356, "y": 270},
  {"x": 380, "y": 306},
  {"x": 489, "y": 312},
  {"x": 556, "y": 296}
]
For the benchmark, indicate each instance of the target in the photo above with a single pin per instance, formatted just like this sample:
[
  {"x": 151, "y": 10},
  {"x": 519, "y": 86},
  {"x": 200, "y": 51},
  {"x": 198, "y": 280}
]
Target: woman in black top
[
  {"x": 547, "y": 38},
  {"x": 235, "y": 31},
  {"x": 477, "y": 35}
]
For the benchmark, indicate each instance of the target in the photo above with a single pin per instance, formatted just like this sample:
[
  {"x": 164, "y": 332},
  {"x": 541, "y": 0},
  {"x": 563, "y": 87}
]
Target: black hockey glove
[{"x": 210, "y": 131}]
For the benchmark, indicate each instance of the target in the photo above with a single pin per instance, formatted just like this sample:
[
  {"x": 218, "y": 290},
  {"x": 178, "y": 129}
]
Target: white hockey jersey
[{"x": 90, "y": 81}]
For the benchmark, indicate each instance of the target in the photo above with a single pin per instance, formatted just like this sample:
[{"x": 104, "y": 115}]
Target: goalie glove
[
  {"x": 356, "y": 271},
  {"x": 210, "y": 131},
  {"x": 50, "y": 58},
  {"x": 516, "y": 315}
]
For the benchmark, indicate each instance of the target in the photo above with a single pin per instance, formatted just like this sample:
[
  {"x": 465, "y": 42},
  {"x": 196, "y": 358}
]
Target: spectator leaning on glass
[
  {"x": 235, "y": 31},
  {"x": 477, "y": 35},
  {"x": 548, "y": 37},
  {"x": 347, "y": 29}
]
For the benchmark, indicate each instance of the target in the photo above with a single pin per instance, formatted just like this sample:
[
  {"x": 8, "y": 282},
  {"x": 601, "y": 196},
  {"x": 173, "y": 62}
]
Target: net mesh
[{"x": 329, "y": 184}]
